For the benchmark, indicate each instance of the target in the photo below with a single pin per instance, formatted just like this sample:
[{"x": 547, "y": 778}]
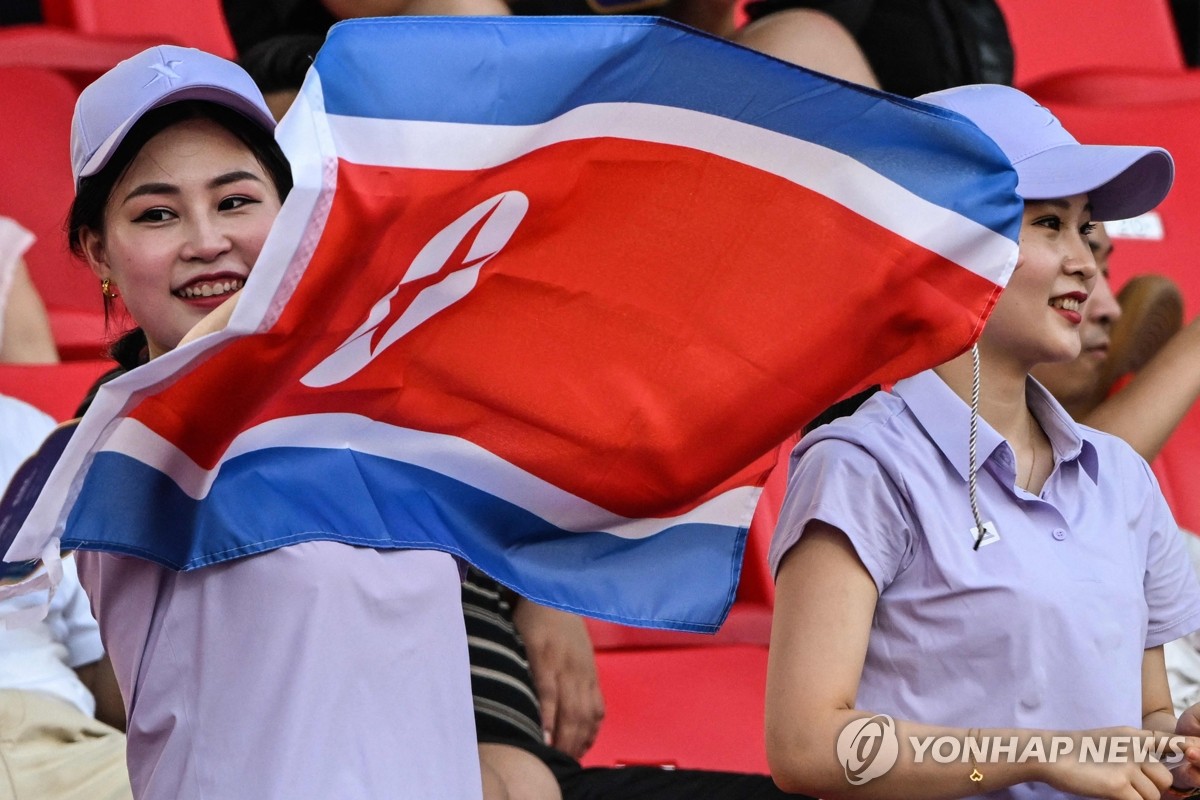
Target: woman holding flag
[
  {"x": 315, "y": 670},
  {"x": 972, "y": 588}
]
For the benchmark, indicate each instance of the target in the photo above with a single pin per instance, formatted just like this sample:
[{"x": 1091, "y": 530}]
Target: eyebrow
[
  {"x": 171, "y": 189},
  {"x": 1060, "y": 203}
]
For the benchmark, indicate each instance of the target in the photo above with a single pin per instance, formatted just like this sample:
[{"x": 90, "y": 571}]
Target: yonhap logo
[{"x": 868, "y": 748}]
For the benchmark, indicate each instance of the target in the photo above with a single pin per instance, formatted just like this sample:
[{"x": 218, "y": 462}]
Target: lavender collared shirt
[
  {"x": 317, "y": 670},
  {"x": 1043, "y": 628}
]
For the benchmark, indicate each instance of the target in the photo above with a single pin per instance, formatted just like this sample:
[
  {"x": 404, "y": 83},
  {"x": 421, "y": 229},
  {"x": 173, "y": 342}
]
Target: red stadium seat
[
  {"x": 80, "y": 57},
  {"x": 1134, "y": 35},
  {"x": 36, "y": 191},
  {"x": 1170, "y": 245},
  {"x": 1117, "y": 87},
  {"x": 196, "y": 23},
  {"x": 56, "y": 389},
  {"x": 1174, "y": 250},
  {"x": 693, "y": 708}
]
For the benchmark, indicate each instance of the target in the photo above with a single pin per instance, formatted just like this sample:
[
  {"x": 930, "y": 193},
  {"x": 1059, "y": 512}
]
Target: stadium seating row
[{"x": 78, "y": 35}]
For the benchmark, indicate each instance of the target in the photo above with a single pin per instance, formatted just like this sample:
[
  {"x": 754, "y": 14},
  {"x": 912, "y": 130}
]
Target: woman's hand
[
  {"x": 1186, "y": 775},
  {"x": 214, "y": 321},
  {"x": 564, "y": 673},
  {"x": 1125, "y": 778}
]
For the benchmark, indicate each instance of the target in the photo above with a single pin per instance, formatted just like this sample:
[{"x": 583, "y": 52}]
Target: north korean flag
[{"x": 545, "y": 293}]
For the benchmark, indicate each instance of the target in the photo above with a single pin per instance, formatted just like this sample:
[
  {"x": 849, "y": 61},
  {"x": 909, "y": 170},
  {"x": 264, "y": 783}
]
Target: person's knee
[
  {"x": 812, "y": 39},
  {"x": 493, "y": 783},
  {"x": 510, "y": 773}
]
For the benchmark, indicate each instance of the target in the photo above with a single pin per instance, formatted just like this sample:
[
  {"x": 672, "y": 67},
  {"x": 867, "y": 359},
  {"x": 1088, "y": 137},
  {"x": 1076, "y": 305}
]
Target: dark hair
[
  {"x": 842, "y": 408},
  {"x": 280, "y": 63},
  {"x": 91, "y": 198}
]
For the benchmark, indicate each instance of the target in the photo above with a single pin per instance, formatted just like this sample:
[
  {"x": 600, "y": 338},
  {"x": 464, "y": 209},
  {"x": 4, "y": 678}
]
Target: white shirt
[
  {"x": 42, "y": 658},
  {"x": 1183, "y": 655}
]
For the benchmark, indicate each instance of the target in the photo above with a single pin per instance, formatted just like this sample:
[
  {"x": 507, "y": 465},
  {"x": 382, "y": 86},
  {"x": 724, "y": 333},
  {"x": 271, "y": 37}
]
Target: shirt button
[{"x": 1059, "y": 534}]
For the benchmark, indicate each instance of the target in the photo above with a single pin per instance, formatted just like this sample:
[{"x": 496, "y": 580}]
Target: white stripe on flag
[
  {"x": 447, "y": 455},
  {"x": 469, "y": 146}
]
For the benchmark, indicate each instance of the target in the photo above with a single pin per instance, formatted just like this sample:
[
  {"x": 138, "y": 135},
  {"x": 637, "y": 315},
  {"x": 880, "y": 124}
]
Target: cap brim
[
  {"x": 213, "y": 94},
  {"x": 1121, "y": 181}
]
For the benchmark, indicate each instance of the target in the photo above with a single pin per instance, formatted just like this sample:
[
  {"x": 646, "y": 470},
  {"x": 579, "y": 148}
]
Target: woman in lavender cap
[
  {"x": 318, "y": 670},
  {"x": 974, "y": 591}
]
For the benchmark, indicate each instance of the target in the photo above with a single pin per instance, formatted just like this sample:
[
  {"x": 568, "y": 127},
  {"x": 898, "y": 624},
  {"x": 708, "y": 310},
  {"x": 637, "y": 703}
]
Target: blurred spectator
[
  {"x": 20, "y": 12},
  {"x": 812, "y": 39},
  {"x": 1147, "y": 410},
  {"x": 1152, "y": 404},
  {"x": 713, "y": 16},
  {"x": 1187, "y": 25},
  {"x": 265, "y": 32},
  {"x": 912, "y": 46},
  {"x": 254, "y": 21},
  {"x": 278, "y": 66},
  {"x": 60, "y": 711},
  {"x": 24, "y": 327}
]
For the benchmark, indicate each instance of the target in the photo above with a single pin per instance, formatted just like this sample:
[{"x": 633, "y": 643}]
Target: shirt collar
[
  {"x": 1068, "y": 439},
  {"x": 946, "y": 420}
]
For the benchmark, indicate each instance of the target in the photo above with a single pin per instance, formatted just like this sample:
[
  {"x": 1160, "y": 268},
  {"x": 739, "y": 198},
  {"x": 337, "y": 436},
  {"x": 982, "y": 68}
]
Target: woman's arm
[
  {"x": 1148, "y": 409},
  {"x": 1158, "y": 712},
  {"x": 1159, "y": 715},
  {"x": 99, "y": 679},
  {"x": 26, "y": 337},
  {"x": 824, "y": 603}
]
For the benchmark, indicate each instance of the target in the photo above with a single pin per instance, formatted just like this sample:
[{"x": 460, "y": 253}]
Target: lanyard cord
[{"x": 971, "y": 442}]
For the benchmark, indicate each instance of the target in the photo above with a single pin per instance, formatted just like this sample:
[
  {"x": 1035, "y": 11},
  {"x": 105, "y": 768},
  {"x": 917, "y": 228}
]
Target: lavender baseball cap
[
  {"x": 114, "y": 102},
  {"x": 1120, "y": 181}
]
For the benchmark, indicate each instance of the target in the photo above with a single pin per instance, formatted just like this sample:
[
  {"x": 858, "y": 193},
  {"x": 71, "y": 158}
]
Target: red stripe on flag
[{"x": 660, "y": 318}]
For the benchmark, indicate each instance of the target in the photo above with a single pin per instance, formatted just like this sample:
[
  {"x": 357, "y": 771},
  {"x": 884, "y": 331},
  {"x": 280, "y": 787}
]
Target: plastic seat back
[
  {"x": 56, "y": 389},
  {"x": 1060, "y": 36},
  {"x": 195, "y": 23},
  {"x": 36, "y": 191},
  {"x": 80, "y": 57},
  {"x": 692, "y": 708},
  {"x": 1117, "y": 87}
]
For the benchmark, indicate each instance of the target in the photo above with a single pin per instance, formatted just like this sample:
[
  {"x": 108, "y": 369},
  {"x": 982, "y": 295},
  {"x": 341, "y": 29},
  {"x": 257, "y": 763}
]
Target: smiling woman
[
  {"x": 178, "y": 213},
  {"x": 182, "y": 227},
  {"x": 315, "y": 670},
  {"x": 959, "y": 553}
]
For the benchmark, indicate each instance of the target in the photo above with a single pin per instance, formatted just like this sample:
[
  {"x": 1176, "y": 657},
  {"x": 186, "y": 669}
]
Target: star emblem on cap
[{"x": 165, "y": 71}]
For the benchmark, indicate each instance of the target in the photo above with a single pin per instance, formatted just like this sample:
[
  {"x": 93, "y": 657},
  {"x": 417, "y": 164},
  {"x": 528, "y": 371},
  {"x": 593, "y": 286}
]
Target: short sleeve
[
  {"x": 1171, "y": 589},
  {"x": 25, "y": 428},
  {"x": 843, "y": 485},
  {"x": 14, "y": 241}
]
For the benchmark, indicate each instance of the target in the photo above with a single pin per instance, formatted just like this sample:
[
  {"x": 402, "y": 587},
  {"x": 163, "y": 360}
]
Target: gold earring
[{"x": 107, "y": 290}]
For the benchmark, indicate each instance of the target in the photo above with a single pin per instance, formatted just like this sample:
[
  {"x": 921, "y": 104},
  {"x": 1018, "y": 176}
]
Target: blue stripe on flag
[
  {"x": 280, "y": 496},
  {"x": 439, "y": 75}
]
